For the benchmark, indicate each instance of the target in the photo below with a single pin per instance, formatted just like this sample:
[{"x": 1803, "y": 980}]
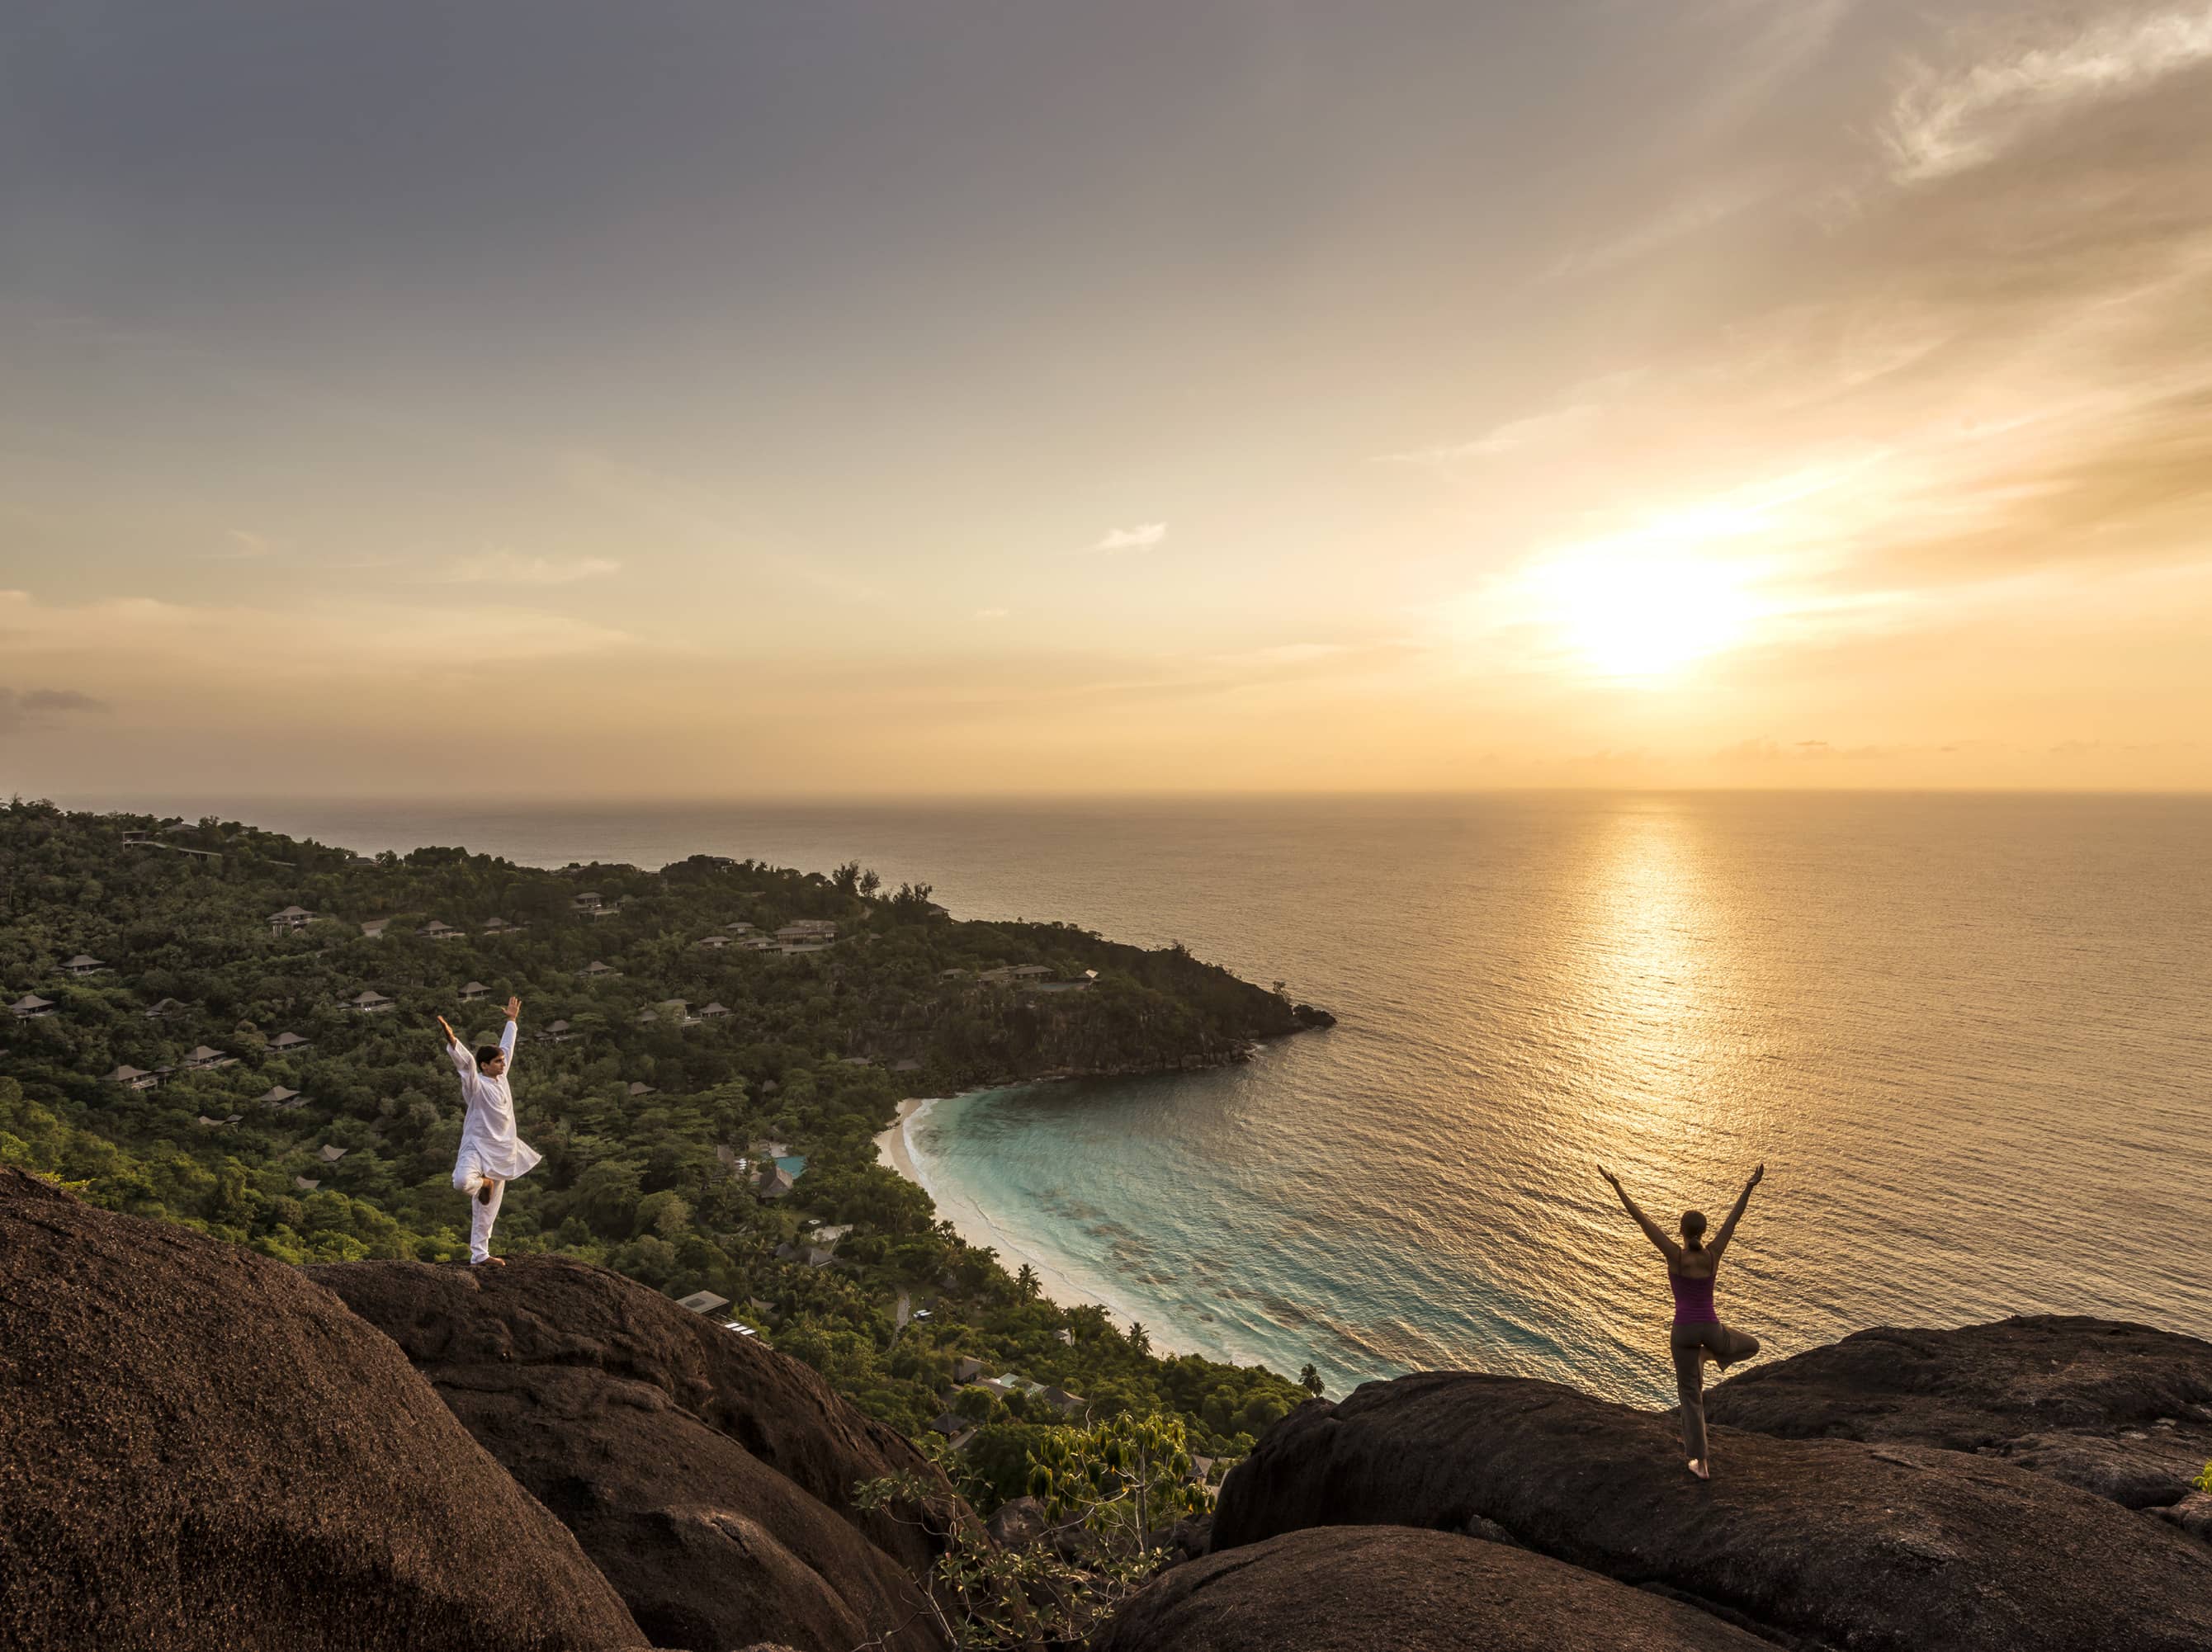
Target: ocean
[{"x": 1970, "y": 1037}]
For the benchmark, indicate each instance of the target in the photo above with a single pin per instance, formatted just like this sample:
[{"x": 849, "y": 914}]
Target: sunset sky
[{"x": 563, "y": 399}]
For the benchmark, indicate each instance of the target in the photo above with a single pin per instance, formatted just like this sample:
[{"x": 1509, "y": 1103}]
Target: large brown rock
[
  {"x": 200, "y": 1448},
  {"x": 1885, "y": 1548},
  {"x": 2123, "y": 1411},
  {"x": 1388, "y": 1589},
  {"x": 709, "y": 1478}
]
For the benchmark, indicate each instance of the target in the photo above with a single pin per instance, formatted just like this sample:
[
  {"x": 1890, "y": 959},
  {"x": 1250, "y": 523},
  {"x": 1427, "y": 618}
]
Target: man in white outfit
[{"x": 491, "y": 1154}]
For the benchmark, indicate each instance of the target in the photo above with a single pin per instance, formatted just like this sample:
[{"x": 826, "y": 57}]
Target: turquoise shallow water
[{"x": 1970, "y": 1036}]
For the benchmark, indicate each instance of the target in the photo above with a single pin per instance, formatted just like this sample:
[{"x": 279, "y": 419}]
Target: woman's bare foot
[{"x": 1697, "y": 1467}]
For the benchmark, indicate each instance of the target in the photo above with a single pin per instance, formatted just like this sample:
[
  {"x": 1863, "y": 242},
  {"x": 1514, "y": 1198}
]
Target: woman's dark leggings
[{"x": 1689, "y": 1344}]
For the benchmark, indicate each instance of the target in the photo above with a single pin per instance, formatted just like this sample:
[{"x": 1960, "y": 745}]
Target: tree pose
[
  {"x": 491, "y": 1154},
  {"x": 1698, "y": 1334}
]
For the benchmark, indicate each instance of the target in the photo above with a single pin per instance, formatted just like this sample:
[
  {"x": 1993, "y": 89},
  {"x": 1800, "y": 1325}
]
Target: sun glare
[{"x": 1648, "y": 605}]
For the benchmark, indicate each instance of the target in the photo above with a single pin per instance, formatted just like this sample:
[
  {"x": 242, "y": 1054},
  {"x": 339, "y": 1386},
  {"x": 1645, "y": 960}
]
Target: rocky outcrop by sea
[
  {"x": 1825, "y": 1543},
  {"x": 2123, "y": 1411},
  {"x": 204, "y": 1450}
]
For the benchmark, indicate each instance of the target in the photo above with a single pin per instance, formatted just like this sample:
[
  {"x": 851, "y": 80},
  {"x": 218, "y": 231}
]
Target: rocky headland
[{"x": 203, "y": 1449}]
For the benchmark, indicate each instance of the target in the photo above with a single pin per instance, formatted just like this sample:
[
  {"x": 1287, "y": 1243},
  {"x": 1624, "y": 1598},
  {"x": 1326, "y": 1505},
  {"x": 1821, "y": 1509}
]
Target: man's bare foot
[
  {"x": 483, "y": 1193},
  {"x": 490, "y": 1261},
  {"x": 1697, "y": 1467}
]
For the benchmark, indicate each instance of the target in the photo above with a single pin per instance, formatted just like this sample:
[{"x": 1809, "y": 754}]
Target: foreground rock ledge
[
  {"x": 709, "y": 1478},
  {"x": 2121, "y": 1410},
  {"x": 203, "y": 1451},
  {"x": 1874, "y": 1548},
  {"x": 1388, "y": 1589}
]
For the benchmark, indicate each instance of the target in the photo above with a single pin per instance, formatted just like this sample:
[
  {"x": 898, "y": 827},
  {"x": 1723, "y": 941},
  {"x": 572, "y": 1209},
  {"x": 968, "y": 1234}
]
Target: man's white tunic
[{"x": 489, "y": 1146}]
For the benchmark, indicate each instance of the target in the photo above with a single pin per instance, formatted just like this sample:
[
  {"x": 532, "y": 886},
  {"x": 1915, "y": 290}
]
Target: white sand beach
[{"x": 895, "y": 1147}]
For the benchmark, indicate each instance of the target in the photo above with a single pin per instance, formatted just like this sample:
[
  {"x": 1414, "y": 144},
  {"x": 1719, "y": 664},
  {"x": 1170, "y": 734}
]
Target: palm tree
[
  {"x": 1310, "y": 1380},
  {"x": 1139, "y": 1337},
  {"x": 1026, "y": 1281}
]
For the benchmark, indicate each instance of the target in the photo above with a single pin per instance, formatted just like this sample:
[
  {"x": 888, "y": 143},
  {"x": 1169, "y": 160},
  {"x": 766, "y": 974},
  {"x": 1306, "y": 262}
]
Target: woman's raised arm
[
  {"x": 1743, "y": 1200},
  {"x": 1652, "y": 1231}
]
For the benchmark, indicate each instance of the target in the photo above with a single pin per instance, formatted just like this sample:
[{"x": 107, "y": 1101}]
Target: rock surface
[
  {"x": 199, "y": 1448},
  {"x": 1881, "y": 1548},
  {"x": 1388, "y": 1589},
  {"x": 2120, "y": 1410},
  {"x": 709, "y": 1478}
]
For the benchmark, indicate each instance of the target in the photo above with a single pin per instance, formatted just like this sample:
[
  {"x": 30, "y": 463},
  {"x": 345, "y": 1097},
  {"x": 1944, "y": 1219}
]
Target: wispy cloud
[
  {"x": 1144, "y": 537},
  {"x": 1510, "y": 437},
  {"x": 1947, "y": 121},
  {"x": 30, "y": 708},
  {"x": 507, "y": 567},
  {"x": 241, "y": 544},
  {"x": 992, "y": 613}
]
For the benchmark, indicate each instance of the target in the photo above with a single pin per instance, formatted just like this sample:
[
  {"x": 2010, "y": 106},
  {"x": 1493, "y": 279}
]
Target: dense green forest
[{"x": 221, "y": 966}]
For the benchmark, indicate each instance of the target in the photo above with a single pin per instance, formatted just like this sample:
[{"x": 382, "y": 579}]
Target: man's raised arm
[
  {"x": 456, "y": 1051},
  {"x": 506, "y": 1033}
]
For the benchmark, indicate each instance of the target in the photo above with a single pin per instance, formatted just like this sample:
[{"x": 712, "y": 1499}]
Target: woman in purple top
[{"x": 1698, "y": 1334}]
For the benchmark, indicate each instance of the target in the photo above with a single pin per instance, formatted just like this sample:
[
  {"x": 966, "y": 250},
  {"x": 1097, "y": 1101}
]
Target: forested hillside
[{"x": 225, "y": 969}]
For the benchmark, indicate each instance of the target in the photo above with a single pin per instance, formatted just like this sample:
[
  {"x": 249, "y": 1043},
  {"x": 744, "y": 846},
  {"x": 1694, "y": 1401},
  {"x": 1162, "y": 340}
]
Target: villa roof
[
  {"x": 124, "y": 1075},
  {"x": 204, "y": 1053},
  {"x": 285, "y": 1041},
  {"x": 277, "y": 1093},
  {"x": 31, "y": 1001},
  {"x": 643, "y": 1089},
  {"x": 293, "y": 912},
  {"x": 80, "y": 961},
  {"x": 332, "y": 1155},
  {"x": 702, "y": 1302},
  {"x": 306, "y": 1184}
]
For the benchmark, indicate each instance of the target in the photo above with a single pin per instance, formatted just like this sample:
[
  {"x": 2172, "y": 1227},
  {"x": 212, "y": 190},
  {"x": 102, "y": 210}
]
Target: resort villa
[
  {"x": 370, "y": 1002},
  {"x": 773, "y": 1182},
  {"x": 597, "y": 971},
  {"x": 84, "y": 964},
  {"x": 374, "y": 928},
  {"x": 31, "y": 1006},
  {"x": 437, "y": 930},
  {"x": 205, "y": 1059},
  {"x": 285, "y": 1043},
  {"x": 133, "y": 1079},
  {"x": 557, "y": 1032},
  {"x": 473, "y": 991},
  {"x": 166, "y": 1008},
  {"x": 290, "y": 918}
]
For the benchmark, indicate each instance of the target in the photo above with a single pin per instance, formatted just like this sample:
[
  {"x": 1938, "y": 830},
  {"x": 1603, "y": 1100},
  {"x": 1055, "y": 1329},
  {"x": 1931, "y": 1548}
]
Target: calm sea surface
[{"x": 1971, "y": 1037}]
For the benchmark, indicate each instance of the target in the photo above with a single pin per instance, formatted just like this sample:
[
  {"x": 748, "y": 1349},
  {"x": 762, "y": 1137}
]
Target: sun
[{"x": 1641, "y": 610}]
